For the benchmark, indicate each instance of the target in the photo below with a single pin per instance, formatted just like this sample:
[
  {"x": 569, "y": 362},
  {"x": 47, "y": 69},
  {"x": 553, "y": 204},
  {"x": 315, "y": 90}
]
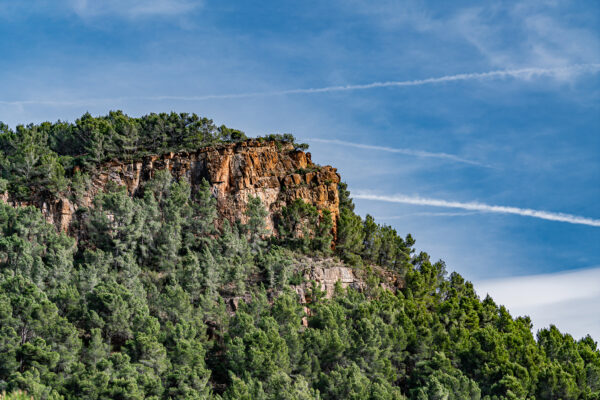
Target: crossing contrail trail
[
  {"x": 475, "y": 206},
  {"x": 409, "y": 152},
  {"x": 522, "y": 73}
]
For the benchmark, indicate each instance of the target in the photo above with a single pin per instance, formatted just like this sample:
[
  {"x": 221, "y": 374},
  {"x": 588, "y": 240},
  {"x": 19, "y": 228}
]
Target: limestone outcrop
[
  {"x": 273, "y": 171},
  {"x": 328, "y": 271}
]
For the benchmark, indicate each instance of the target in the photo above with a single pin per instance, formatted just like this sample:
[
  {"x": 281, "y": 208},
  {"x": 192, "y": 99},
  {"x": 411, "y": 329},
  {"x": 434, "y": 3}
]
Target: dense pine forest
[{"x": 139, "y": 305}]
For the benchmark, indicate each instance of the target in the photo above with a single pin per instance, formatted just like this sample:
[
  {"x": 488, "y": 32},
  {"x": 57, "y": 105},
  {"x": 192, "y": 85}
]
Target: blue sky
[{"x": 528, "y": 139}]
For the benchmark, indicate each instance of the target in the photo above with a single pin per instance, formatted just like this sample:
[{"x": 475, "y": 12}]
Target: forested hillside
[{"x": 157, "y": 297}]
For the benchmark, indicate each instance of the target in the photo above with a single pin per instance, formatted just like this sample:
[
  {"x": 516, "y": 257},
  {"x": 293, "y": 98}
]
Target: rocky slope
[
  {"x": 273, "y": 171},
  {"x": 326, "y": 273}
]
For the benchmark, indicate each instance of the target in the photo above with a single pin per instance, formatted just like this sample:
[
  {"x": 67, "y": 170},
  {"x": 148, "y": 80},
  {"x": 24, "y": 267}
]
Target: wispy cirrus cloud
[
  {"x": 408, "y": 152},
  {"x": 505, "y": 34},
  {"x": 543, "y": 35},
  {"x": 521, "y": 74},
  {"x": 132, "y": 8},
  {"x": 475, "y": 206},
  {"x": 92, "y": 9}
]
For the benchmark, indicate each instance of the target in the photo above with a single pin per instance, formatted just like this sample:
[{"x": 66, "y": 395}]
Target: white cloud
[
  {"x": 474, "y": 206},
  {"x": 132, "y": 8},
  {"x": 570, "y": 300}
]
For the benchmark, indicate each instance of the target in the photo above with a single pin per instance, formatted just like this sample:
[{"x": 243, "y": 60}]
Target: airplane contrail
[
  {"x": 522, "y": 73},
  {"x": 475, "y": 206},
  {"x": 410, "y": 152},
  {"x": 429, "y": 214}
]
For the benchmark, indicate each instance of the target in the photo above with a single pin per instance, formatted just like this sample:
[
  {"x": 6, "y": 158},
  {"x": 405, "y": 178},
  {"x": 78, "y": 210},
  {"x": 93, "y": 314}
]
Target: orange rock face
[{"x": 274, "y": 172}]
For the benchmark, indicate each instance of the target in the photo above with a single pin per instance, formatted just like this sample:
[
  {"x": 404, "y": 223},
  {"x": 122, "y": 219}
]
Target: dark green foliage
[
  {"x": 27, "y": 162},
  {"x": 368, "y": 242},
  {"x": 276, "y": 265},
  {"x": 351, "y": 236},
  {"x": 31, "y": 247},
  {"x": 383, "y": 246},
  {"x": 255, "y": 227},
  {"x": 118, "y": 135},
  {"x": 37, "y": 345},
  {"x": 285, "y": 138},
  {"x": 127, "y": 311},
  {"x": 159, "y": 300},
  {"x": 301, "y": 227}
]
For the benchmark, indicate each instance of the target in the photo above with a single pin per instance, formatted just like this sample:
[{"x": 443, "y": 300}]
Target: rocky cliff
[{"x": 273, "y": 171}]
